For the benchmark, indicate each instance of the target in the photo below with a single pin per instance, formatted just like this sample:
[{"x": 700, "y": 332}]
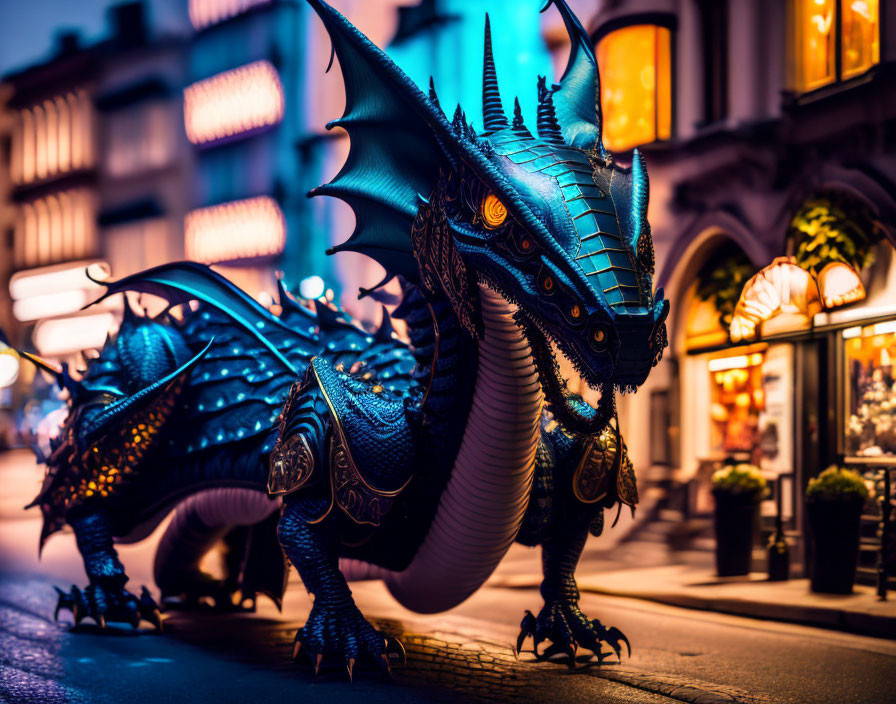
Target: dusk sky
[{"x": 28, "y": 29}]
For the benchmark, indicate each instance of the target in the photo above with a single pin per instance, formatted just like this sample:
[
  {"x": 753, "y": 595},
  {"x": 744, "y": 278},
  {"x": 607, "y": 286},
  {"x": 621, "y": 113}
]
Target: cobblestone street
[{"x": 466, "y": 654}]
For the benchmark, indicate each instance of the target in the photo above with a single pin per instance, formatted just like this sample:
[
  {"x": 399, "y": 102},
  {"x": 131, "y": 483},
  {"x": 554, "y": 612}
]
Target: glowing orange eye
[
  {"x": 548, "y": 283},
  {"x": 526, "y": 245},
  {"x": 493, "y": 212},
  {"x": 600, "y": 335},
  {"x": 575, "y": 312}
]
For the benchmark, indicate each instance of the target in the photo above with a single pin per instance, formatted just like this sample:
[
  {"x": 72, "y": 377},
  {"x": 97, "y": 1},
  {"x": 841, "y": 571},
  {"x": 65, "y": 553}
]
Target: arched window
[
  {"x": 65, "y": 135},
  {"x": 636, "y": 85},
  {"x": 40, "y": 140},
  {"x": 833, "y": 40}
]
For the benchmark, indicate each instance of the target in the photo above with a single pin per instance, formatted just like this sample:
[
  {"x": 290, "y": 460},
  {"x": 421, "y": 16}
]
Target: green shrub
[
  {"x": 837, "y": 484},
  {"x": 740, "y": 480}
]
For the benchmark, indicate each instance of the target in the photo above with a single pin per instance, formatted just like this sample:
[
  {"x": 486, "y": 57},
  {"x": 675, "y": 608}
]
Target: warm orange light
[
  {"x": 814, "y": 43},
  {"x": 232, "y": 102},
  {"x": 243, "y": 229},
  {"x": 781, "y": 287},
  {"x": 840, "y": 284},
  {"x": 208, "y": 12},
  {"x": 636, "y": 78},
  {"x": 860, "y": 36}
]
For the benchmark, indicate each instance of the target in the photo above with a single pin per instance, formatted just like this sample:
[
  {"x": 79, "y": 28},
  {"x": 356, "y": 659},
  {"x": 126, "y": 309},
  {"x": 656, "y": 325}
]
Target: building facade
[{"x": 767, "y": 132}]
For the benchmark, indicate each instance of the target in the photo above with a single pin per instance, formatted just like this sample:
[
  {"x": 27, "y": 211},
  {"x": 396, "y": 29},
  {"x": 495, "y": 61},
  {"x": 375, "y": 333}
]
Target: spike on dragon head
[{"x": 549, "y": 220}]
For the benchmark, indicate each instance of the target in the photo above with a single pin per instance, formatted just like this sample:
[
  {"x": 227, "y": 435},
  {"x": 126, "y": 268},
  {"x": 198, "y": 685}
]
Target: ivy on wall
[
  {"x": 833, "y": 227},
  {"x": 722, "y": 278}
]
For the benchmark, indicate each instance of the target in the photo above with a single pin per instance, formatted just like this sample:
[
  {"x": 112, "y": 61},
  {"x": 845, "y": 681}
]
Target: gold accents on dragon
[
  {"x": 605, "y": 463},
  {"x": 291, "y": 466},
  {"x": 362, "y": 503}
]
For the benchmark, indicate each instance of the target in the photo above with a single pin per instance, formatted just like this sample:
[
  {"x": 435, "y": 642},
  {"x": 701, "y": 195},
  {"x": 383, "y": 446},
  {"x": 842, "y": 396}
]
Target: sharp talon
[
  {"x": 386, "y": 664},
  {"x": 349, "y": 666},
  {"x": 296, "y": 649},
  {"x": 571, "y": 652},
  {"x": 317, "y": 661},
  {"x": 155, "y": 618},
  {"x": 100, "y": 621},
  {"x": 76, "y": 612}
]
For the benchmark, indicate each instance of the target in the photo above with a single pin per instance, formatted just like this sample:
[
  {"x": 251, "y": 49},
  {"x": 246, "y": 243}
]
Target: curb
[{"x": 860, "y": 623}]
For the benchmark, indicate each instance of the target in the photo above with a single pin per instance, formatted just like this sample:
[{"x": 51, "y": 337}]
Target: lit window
[
  {"x": 233, "y": 102},
  {"x": 870, "y": 390},
  {"x": 208, "y": 12},
  {"x": 861, "y": 36},
  {"x": 635, "y": 82},
  {"x": 53, "y": 138},
  {"x": 243, "y": 229},
  {"x": 817, "y": 44},
  {"x": 56, "y": 228}
]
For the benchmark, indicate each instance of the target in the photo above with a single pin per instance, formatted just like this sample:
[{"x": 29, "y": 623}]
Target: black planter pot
[
  {"x": 737, "y": 525},
  {"x": 835, "y": 544}
]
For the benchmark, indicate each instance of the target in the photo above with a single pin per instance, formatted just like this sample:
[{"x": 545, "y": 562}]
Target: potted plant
[
  {"x": 737, "y": 490},
  {"x": 834, "y": 501}
]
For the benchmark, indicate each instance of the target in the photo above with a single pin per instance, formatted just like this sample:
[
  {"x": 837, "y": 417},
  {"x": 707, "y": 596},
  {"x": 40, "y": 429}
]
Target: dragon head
[{"x": 549, "y": 220}]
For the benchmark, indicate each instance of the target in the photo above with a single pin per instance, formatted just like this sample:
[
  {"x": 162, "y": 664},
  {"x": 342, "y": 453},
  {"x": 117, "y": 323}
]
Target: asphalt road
[{"x": 678, "y": 654}]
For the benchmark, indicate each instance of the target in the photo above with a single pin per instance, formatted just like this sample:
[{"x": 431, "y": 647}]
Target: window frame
[
  {"x": 664, "y": 20},
  {"x": 838, "y": 80}
]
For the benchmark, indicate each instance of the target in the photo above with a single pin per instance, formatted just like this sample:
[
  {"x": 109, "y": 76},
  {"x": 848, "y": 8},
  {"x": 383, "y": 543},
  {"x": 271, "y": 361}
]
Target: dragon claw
[
  {"x": 566, "y": 628},
  {"x": 107, "y": 604},
  {"x": 332, "y": 633},
  {"x": 527, "y": 628}
]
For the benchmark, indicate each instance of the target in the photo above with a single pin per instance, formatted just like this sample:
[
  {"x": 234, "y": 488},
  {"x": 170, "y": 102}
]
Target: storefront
[{"x": 806, "y": 379}]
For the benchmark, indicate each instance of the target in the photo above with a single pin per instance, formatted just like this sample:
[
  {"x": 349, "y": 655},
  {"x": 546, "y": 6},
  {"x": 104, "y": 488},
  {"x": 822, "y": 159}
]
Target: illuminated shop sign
[
  {"x": 62, "y": 336},
  {"x": 204, "y": 13},
  {"x": 242, "y": 229},
  {"x": 233, "y": 102},
  {"x": 47, "y": 293}
]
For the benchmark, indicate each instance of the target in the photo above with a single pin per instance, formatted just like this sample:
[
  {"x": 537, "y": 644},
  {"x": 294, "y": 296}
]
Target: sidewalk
[{"x": 697, "y": 587}]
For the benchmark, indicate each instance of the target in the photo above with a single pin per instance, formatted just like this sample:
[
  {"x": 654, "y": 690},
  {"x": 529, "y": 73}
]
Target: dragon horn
[
  {"x": 577, "y": 99},
  {"x": 493, "y": 118}
]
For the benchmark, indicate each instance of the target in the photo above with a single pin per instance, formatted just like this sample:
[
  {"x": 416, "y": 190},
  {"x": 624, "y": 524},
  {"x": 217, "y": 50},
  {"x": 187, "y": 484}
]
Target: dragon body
[{"x": 416, "y": 463}]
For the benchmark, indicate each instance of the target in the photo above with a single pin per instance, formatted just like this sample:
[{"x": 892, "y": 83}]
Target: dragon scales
[{"x": 417, "y": 462}]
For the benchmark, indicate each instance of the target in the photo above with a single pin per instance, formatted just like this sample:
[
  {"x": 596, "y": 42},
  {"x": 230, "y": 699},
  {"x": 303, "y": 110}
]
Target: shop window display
[
  {"x": 871, "y": 390},
  {"x": 737, "y": 401}
]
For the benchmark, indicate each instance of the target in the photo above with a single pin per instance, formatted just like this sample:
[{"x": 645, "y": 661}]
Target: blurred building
[{"x": 768, "y": 131}]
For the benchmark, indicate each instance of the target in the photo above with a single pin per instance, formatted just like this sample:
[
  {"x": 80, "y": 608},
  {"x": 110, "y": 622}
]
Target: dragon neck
[{"x": 482, "y": 505}]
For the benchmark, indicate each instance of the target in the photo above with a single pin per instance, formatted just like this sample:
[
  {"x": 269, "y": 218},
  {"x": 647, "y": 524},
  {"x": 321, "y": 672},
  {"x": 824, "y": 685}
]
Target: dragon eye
[
  {"x": 526, "y": 245},
  {"x": 548, "y": 283},
  {"x": 576, "y": 312},
  {"x": 493, "y": 212},
  {"x": 599, "y": 335}
]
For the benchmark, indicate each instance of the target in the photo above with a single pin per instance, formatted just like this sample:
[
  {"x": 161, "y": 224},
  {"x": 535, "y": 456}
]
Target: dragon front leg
[
  {"x": 104, "y": 599},
  {"x": 335, "y": 627},
  {"x": 561, "y": 621}
]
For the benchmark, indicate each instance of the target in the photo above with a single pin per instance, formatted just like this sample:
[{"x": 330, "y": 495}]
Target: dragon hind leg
[
  {"x": 561, "y": 621},
  {"x": 335, "y": 629}
]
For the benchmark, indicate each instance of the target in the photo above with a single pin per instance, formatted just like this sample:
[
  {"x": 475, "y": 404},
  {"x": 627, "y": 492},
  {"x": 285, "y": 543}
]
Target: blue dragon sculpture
[{"x": 417, "y": 463}]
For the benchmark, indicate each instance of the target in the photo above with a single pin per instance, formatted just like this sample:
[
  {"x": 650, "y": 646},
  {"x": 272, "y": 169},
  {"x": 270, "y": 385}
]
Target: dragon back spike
[
  {"x": 433, "y": 98},
  {"x": 493, "y": 117},
  {"x": 546, "y": 120},
  {"x": 519, "y": 127}
]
